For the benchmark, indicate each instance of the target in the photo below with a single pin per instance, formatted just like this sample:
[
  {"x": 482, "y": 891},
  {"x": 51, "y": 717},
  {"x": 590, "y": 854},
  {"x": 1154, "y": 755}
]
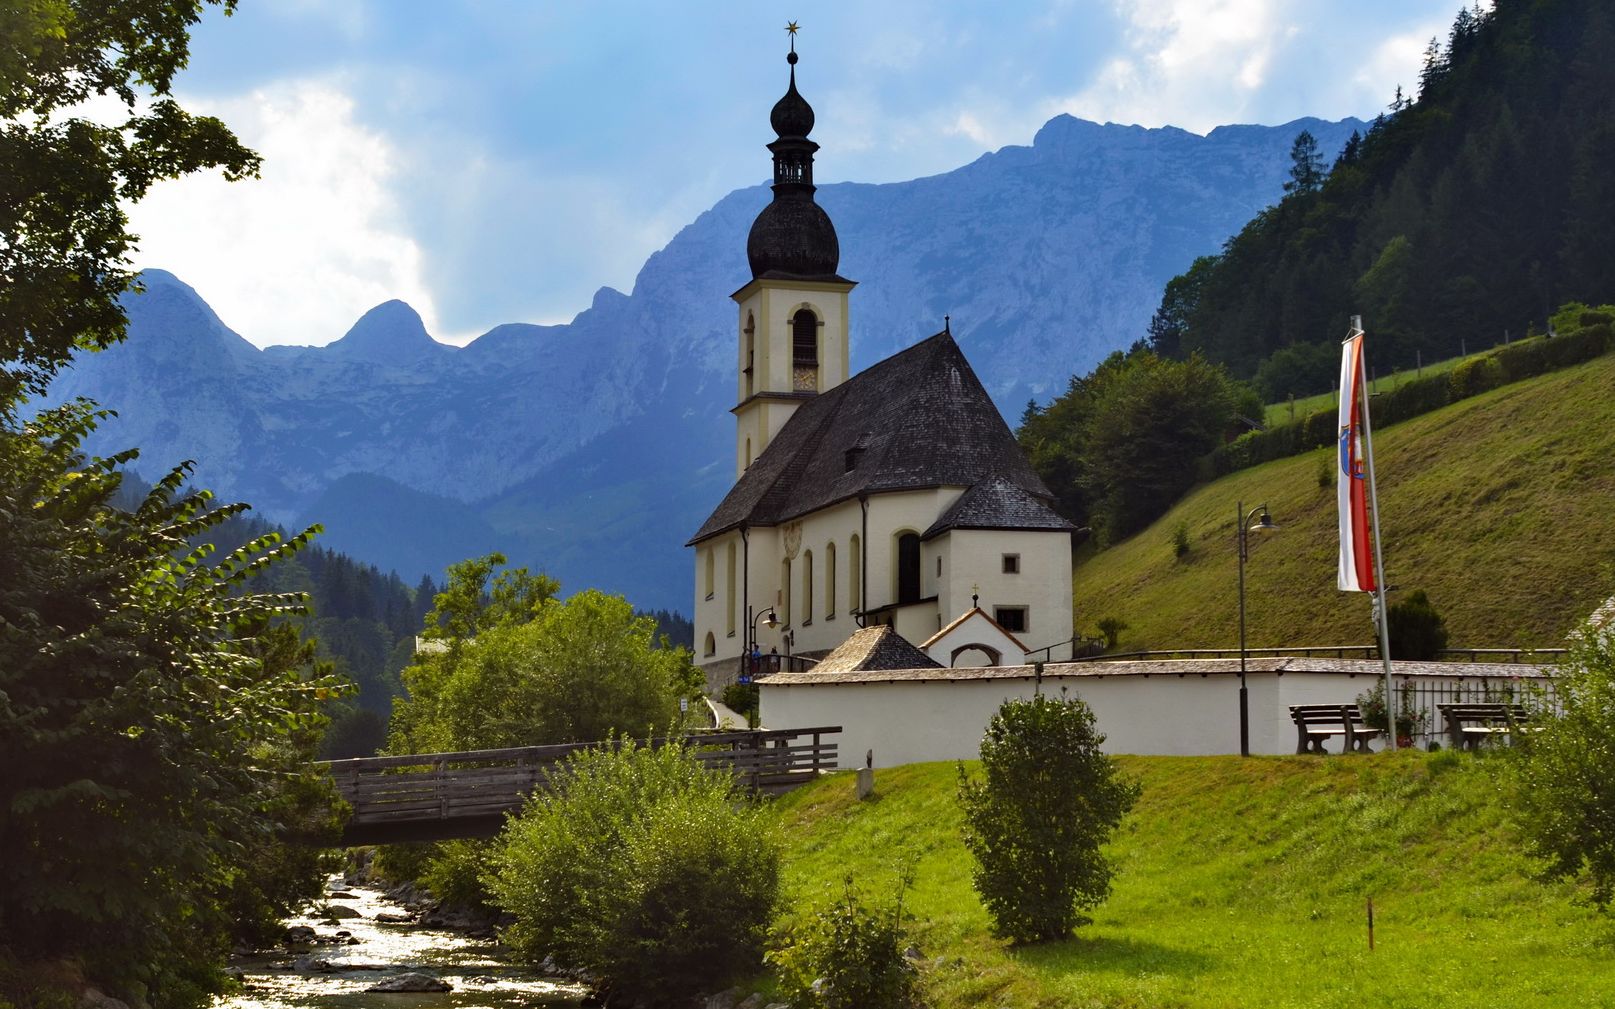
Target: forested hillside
[
  {"x": 1467, "y": 210},
  {"x": 1465, "y": 215}
]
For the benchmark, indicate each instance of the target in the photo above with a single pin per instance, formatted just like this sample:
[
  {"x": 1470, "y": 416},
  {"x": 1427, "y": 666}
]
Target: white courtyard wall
[{"x": 1192, "y": 715}]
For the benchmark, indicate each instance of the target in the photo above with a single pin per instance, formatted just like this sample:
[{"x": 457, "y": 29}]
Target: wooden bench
[
  {"x": 1468, "y": 724},
  {"x": 1315, "y": 723}
]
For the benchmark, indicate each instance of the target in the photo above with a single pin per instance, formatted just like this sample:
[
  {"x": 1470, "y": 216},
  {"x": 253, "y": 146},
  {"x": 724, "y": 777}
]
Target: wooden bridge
[{"x": 437, "y": 796}]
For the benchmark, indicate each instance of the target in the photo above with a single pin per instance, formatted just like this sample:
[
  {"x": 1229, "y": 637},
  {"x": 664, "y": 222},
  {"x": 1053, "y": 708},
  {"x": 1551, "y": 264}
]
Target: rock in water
[
  {"x": 340, "y": 911},
  {"x": 410, "y": 982}
]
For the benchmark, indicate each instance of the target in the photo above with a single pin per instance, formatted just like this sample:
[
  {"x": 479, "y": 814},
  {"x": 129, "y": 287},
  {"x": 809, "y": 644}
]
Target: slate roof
[
  {"x": 995, "y": 503},
  {"x": 872, "y": 649},
  {"x": 919, "y": 419},
  {"x": 1165, "y": 668}
]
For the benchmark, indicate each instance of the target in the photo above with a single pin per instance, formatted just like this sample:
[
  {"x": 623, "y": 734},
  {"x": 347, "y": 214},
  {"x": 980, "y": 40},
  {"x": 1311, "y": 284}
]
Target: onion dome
[
  {"x": 792, "y": 115},
  {"x": 793, "y": 237}
]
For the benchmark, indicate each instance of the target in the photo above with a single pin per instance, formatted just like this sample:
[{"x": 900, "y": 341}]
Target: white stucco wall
[
  {"x": 1191, "y": 714},
  {"x": 976, "y": 629},
  {"x": 1043, "y": 584}
]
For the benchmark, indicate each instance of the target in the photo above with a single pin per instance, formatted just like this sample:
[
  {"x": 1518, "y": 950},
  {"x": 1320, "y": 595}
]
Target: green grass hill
[
  {"x": 1240, "y": 883},
  {"x": 1500, "y": 507}
]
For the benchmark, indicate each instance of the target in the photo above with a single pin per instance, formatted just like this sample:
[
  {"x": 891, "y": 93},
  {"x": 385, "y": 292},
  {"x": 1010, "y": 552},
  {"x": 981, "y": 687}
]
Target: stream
[{"x": 348, "y": 956}]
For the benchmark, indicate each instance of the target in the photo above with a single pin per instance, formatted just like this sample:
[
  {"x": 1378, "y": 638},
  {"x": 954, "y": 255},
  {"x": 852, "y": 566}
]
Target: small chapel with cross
[{"x": 897, "y": 497}]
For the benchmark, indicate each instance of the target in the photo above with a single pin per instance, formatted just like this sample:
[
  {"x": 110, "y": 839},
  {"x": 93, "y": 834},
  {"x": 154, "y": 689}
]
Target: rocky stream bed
[{"x": 369, "y": 949}]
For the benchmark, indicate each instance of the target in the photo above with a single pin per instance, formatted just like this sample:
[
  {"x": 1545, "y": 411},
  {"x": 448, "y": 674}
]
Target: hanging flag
[{"x": 1356, "y": 549}]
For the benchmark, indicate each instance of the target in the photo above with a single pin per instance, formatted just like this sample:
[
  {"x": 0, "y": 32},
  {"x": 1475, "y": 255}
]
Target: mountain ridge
[{"x": 1047, "y": 257}]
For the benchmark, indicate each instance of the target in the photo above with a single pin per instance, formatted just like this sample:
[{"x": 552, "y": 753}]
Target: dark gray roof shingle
[
  {"x": 995, "y": 503},
  {"x": 919, "y": 419}
]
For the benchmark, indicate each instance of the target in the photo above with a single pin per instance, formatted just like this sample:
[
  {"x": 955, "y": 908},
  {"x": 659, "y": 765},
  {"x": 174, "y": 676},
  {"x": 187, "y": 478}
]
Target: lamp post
[
  {"x": 747, "y": 666},
  {"x": 1248, "y": 523}
]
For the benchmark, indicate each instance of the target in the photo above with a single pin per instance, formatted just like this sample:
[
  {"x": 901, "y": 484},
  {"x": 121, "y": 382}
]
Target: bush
[
  {"x": 1180, "y": 540},
  {"x": 1417, "y": 631},
  {"x": 1475, "y": 376},
  {"x": 742, "y": 699},
  {"x": 1409, "y": 718},
  {"x": 454, "y": 874},
  {"x": 1564, "y": 772},
  {"x": 1410, "y": 399},
  {"x": 1111, "y": 628},
  {"x": 1037, "y": 824},
  {"x": 848, "y": 955},
  {"x": 642, "y": 867}
]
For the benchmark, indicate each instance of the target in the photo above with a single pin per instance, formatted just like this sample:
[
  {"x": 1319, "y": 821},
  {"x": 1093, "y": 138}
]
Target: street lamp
[
  {"x": 1248, "y": 523},
  {"x": 748, "y": 653}
]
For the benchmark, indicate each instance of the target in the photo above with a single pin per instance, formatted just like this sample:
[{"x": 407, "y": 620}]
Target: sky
[{"x": 493, "y": 161}]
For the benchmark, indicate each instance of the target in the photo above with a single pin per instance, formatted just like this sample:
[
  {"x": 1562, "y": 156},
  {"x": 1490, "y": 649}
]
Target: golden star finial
[{"x": 793, "y": 28}]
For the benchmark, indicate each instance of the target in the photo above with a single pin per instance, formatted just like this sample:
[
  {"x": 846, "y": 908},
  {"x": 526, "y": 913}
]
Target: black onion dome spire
[
  {"x": 792, "y": 115},
  {"x": 793, "y": 238}
]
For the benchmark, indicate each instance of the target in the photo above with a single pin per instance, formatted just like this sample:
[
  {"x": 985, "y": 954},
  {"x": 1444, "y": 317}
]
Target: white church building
[{"x": 897, "y": 496}]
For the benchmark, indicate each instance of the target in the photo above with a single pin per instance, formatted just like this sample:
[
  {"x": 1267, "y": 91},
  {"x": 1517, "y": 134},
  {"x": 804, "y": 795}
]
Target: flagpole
[{"x": 1379, "y": 559}]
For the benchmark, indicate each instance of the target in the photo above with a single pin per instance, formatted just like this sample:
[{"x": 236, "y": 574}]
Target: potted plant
[{"x": 1410, "y": 720}]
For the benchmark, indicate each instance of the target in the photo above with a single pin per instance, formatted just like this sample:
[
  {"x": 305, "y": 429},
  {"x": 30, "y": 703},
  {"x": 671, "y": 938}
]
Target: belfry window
[
  {"x": 805, "y": 351},
  {"x": 751, "y": 355}
]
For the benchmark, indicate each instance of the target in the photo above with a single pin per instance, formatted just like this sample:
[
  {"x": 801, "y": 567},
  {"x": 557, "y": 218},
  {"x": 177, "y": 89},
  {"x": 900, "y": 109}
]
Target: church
[{"x": 896, "y": 497}]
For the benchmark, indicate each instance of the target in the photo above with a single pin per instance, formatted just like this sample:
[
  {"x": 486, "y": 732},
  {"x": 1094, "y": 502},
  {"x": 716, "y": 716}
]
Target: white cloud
[
  {"x": 298, "y": 255},
  {"x": 1189, "y": 63}
]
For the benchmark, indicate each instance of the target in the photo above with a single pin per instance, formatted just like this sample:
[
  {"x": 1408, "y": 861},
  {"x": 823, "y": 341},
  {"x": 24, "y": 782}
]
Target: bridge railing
[{"x": 480, "y": 786}]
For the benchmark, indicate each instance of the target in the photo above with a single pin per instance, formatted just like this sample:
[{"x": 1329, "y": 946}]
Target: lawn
[
  {"x": 1498, "y": 506},
  {"x": 1241, "y": 883}
]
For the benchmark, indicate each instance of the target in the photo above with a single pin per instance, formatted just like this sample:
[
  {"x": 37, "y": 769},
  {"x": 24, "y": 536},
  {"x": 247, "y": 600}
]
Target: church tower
[{"x": 793, "y": 312}]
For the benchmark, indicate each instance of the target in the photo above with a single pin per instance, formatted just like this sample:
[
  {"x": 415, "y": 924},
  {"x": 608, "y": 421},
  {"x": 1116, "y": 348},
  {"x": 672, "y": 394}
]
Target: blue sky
[{"x": 497, "y": 161}]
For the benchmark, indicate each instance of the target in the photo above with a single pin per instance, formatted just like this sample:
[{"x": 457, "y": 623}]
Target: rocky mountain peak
[{"x": 390, "y": 333}]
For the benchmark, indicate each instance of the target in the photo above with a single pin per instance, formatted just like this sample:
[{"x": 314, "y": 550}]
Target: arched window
[
  {"x": 751, "y": 355},
  {"x": 807, "y": 588},
  {"x": 830, "y": 580},
  {"x": 785, "y": 592},
  {"x": 908, "y": 568},
  {"x": 730, "y": 602},
  {"x": 711, "y": 644},
  {"x": 855, "y": 574},
  {"x": 712, "y": 563},
  {"x": 805, "y": 351},
  {"x": 748, "y": 453}
]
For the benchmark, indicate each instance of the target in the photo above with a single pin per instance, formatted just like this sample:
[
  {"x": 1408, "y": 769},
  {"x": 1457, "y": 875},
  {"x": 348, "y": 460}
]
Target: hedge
[{"x": 1481, "y": 373}]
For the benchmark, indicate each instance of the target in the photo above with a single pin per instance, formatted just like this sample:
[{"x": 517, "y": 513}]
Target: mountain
[
  {"x": 1468, "y": 213},
  {"x": 593, "y": 449}
]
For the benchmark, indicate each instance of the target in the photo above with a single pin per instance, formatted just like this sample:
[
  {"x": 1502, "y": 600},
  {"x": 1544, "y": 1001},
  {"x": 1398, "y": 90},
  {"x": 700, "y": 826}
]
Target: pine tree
[{"x": 1306, "y": 165}]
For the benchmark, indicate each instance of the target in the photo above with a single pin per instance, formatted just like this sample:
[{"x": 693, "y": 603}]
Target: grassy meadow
[
  {"x": 1240, "y": 883},
  {"x": 1291, "y": 412},
  {"x": 1498, "y": 506}
]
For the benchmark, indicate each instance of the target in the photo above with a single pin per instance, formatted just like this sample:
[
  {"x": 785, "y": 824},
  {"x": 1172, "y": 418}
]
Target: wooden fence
[{"x": 436, "y": 796}]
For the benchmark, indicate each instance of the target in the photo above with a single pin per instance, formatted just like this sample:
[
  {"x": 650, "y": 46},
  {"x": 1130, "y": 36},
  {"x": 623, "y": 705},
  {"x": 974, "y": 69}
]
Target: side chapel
[{"x": 896, "y": 497}]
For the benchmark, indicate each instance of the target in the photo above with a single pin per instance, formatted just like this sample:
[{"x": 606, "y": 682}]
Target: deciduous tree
[{"x": 65, "y": 177}]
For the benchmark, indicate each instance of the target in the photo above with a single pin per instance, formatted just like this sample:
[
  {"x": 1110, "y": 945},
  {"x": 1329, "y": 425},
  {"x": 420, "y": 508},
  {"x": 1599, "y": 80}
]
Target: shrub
[
  {"x": 1564, "y": 772},
  {"x": 1417, "y": 631},
  {"x": 1409, "y": 718},
  {"x": 741, "y": 698},
  {"x": 1111, "y": 628},
  {"x": 1420, "y": 395},
  {"x": 454, "y": 874},
  {"x": 1180, "y": 540},
  {"x": 1475, "y": 376},
  {"x": 1037, "y": 823},
  {"x": 642, "y": 867},
  {"x": 848, "y": 955}
]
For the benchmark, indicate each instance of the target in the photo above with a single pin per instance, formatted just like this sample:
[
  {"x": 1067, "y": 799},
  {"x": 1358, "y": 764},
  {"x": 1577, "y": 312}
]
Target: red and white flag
[{"x": 1356, "y": 548}]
